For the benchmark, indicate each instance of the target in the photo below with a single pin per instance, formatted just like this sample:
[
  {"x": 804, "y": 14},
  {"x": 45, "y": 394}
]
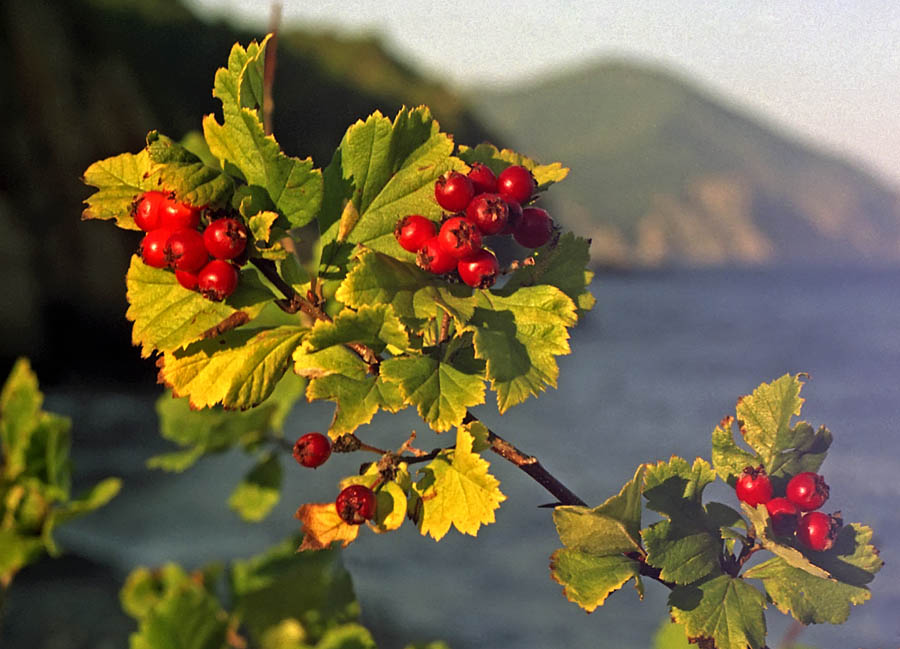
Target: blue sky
[{"x": 828, "y": 71}]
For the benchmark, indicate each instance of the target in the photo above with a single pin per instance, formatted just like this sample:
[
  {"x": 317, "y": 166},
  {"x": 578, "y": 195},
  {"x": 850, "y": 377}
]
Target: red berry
[
  {"x": 482, "y": 178},
  {"x": 459, "y": 237},
  {"x": 516, "y": 183},
  {"x": 186, "y": 279},
  {"x": 754, "y": 487},
  {"x": 413, "y": 231},
  {"x": 453, "y": 191},
  {"x": 153, "y": 247},
  {"x": 217, "y": 280},
  {"x": 818, "y": 531},
  {"x": 356, "y": 504},
  {"x": 185, "y": 251},
  {"x": 177, "y": 215},
  {"x": 515, "y": 215},
  {"x": 479, "y": 270},
  {"x": 534, "y": 228},
  {"x": 489, "y": 212},
  {"x": 434, "y": 259},
  {"x": 784, "y": 515},
  {"x": 807, "y": 490},
  {"x": 146, "y": 211},
  {"x": 225, "y": 238},
  {"x": 312, "y": 449}
]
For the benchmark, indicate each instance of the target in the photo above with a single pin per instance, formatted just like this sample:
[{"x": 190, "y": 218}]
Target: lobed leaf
[
  {"x": 588, "y": 578},
  {"x": 96, "y": 497},
  {"x": 373, "y": 325},
  {"x": 188, "y": 618},
  {"x": 187, "y": 175},
  {"x": 323, "y": 527},
  {"x": 498, "y": 160},
  {"x": 675, "y": 488},
  {"x": 119, "y": 181},
  {"x": 259, "y": 491},
  {"x": 20, "y": 416},
  {"x": 765, "y": 416},
  {"x": 457, "y": 489},
  {"x": 238, "y": 369},
  {"x": 726, "y": 610}
]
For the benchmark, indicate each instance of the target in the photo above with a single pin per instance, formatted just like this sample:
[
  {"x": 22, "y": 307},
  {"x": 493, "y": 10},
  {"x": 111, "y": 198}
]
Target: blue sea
[{"x": 660, "y": 360}]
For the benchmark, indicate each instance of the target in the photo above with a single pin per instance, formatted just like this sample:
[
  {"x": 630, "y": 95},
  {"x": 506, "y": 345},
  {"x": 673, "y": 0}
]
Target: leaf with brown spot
[{"x": 322, "y": 527}]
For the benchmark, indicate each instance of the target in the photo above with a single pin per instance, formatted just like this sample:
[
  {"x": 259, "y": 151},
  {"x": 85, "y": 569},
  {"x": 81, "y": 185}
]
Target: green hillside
[
  {"x": 86, "y": 79},
  {"x": 664, "y": 173}
]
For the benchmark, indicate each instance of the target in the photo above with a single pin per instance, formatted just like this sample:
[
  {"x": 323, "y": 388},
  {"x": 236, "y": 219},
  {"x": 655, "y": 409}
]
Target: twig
[
  {"x": 445, "y": 328},
  {"x": 269, "y": 68}
]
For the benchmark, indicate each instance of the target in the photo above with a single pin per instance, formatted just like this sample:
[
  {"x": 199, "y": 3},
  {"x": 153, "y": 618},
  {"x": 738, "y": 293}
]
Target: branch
[{"x": 530, "y": 465}]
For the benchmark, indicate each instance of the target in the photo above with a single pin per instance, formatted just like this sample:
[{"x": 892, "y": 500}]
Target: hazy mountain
[{"x": 664, "y": 173}]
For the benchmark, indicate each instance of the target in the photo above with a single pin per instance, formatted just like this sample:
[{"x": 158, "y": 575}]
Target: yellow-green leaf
[{"x": 119, "y": 181}]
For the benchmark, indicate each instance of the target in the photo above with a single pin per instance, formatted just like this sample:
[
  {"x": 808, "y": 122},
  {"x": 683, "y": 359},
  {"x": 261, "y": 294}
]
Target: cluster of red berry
[
  {"x": 479, "y": 204},
  {"x": 793, "y": 513},
  {"x": 203, "y": 258},
  {"x": 356, "y": 503}
]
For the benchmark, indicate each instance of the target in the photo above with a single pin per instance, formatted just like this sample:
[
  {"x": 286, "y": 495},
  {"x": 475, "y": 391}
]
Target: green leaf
[
  {"x": 852, "y": 563},
  {"x": 47, "y": 455},
  {"x": 675, "y": 488},
  {"x": 167, "y": 316},
  {"x": 16, "y": 552},
  {"x": 765, "y": 415},
  {"x": 188, "y": 176},
  {"x": 185, "y": 619},
  {"x": 762, "y": 524},
  {"x": 375, "y": 326},
  {"x": 671, "y": 636},
  {"x": 388, "y": 170},
  {"x": 564, "y": 266},
  {"x": 498, "y": 160},
  {"x": 594, "y": 563},
  {"x": 293, "y": 185},
  {"x": 456, "y": 489},
  {"x": 442, "y": 389},
  {"x": 725, "y": 609},
  {"x": 588, "y": 578},
  {"x": 338, "y": 374},
  {"x": 519, "y": 336},
  {"x": 100, "y": 494},
  {"x": 119, "y": 181},
  {"x": 259, "y": 491},
  {"x": 20, "y": 414},
  {"x": 729, "y": 460},
  {"x": 239, "y": 369},
  {"x": 348, "y": 636},
  {"x": 311, "y": 587},
  {"x": 144, "y": 589}
]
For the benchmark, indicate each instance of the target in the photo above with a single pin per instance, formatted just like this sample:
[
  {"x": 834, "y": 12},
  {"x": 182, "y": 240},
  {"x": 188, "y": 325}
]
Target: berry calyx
[
  {"x": 754, "y": 487},
  {"x": 817, "y": 530},
  {"x": 217, "y": 280},
  {"x": 185, "y": 251},
  {"x": 489, "y": 212},
  {"x": 479, "y": 270},
  {"x": 153, "y": 247},
  {"x": 516, "y": 183},
  {"x": 784, "y": 515},
  {"x": 177, "y": 215},
  {"x": 807, "y": 490},
  {"x": 186, "y": 279},
  {"x": 147, "y": 212},
  {"x": 433, "y": 258},
  {"x": 534, "y": 228},
  {"x": 312, "y": 449},
  {"x": 482, "y": 178},
  {"x": 459, "y": 237},
  {"x": 356, "y": 504},
  {"x": 453, "y": 191},
  {"x": 225, "y": 238},
  {"x": 413, "y": 231}
]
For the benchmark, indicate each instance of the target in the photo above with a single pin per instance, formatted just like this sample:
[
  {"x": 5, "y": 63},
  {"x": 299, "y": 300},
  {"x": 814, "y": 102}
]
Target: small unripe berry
[
  {"x": 754, "y": 487},
  {"x": 413, "y": 231},
  {"x": 185, "y": 251},
  {"x": 225, "y": 238},
  {"x": 153, "y": 247},
  {"x": 817, "y": 530},
  {"x": 515, "y": 183},
  {"x": 147, "y": 211},
  {"x": 433, "y": 258},
  {"x": 807, "y": 490},
  {"x": 217, "y": 280},
  {"x": 459, "y": 237},
  {"x": 453, "y": 191},
  {"x": 534, "y": 228},
  {"x": 356, "y": 504},
  {"x": 479, "y": 270},
  {"x": 312, "y": 449}
]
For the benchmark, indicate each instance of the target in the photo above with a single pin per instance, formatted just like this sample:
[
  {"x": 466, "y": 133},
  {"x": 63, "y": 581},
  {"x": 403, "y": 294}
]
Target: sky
[{"x": 827, "y": 71}]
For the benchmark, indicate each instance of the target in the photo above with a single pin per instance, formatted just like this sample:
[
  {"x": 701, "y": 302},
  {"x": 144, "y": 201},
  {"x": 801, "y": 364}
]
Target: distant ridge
[{"x": 666, "y": 174}]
